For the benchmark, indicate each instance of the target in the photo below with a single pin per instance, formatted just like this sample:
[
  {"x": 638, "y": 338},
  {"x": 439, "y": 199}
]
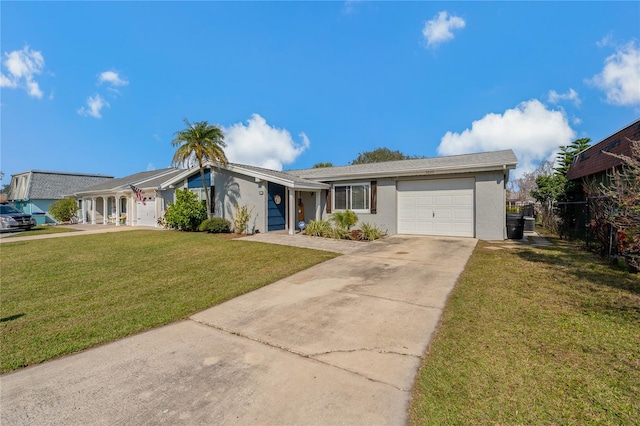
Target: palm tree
[{"x": 203, "y": 142}]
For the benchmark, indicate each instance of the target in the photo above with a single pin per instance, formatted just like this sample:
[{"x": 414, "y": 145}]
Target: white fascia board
[
  {"x": 289, "y": 183},
  {"x": 311, "y": 186},
  {"x": 257, "y": 175},
  {"x": 140, "y": 183},
  {"x": 177, "y": 178},
  {"x": 420, "y": 172}
]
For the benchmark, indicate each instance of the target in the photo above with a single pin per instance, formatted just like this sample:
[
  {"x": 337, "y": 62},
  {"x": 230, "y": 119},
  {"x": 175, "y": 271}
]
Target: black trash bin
[{"x": 515, "y": 226}]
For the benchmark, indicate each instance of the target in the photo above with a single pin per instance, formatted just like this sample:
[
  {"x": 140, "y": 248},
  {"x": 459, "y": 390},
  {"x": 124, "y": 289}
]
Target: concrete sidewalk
[
  {"x": 338, "y": 343},
  {"x": 79, "y": 229}
]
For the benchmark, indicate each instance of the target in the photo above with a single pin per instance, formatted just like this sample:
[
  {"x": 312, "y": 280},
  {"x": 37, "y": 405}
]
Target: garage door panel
[
  {"x": 463, "y": 200},
  {"x": 438, "y": 214},
  {"x": 443, "y": 200},
  {"x": 436, "y": 207},
  {"x": 146, "y": 213},
  {"x": 463, "y": 214}
]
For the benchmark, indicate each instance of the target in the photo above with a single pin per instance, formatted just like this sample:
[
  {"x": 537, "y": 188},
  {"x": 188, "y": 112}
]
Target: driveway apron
[{"x": 338, "y": 343}]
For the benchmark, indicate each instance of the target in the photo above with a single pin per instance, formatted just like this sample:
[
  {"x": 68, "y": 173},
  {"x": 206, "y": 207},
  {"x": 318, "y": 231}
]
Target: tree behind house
[{"x": 380, "y": 155}]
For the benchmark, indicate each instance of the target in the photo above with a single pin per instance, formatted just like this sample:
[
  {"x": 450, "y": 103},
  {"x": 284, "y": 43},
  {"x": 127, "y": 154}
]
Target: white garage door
[
  {"x": 146, "y": 213},
  {"x": 436, "y": 207}
]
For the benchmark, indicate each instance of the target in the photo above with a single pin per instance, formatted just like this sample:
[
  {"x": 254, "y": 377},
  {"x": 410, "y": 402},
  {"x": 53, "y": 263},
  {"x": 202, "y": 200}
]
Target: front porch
[{"x": 107, "y": 210}]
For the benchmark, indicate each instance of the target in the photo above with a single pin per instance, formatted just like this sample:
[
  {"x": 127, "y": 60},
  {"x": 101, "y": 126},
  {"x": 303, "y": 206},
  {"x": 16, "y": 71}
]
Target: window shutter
[
  {"x": 374, "y": 197},
  {"x": 329, "y": 199}
]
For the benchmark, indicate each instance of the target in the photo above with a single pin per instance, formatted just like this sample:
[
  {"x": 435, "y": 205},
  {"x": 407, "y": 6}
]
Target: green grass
[
  {"x": 39, "y": 230},
  {"x": 534, "y": 336},
  {"x": 63, "y": 295}
]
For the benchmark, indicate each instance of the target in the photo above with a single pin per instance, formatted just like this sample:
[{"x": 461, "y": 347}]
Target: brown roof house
[
  {"x": 593, "y": 166},
  {"x": 593, "y": 163}
]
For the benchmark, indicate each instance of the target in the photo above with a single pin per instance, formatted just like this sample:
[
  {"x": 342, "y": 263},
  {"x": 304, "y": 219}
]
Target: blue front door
[{"x": 276, "y": 213}]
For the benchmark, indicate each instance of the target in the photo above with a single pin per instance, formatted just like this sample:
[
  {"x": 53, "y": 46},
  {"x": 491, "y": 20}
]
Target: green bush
[
  {"x": 63, "y": 210},
  {"x": 340, "y": 233},
  {"x": 187, "y": 213},
  {"x": 318, "y": 228},
  {"x": 345, "y": 219},
  {"x": 240, "y": 221},
  {"x": 215, "y": 225},
  {"x": 369, "y": 232}
]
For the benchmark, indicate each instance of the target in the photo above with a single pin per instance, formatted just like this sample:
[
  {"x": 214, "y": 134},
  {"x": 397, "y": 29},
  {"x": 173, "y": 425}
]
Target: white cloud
[
  {"x": 22, "y": 66},
  {"x": 94, "y": 106},
  {"x": 606, "y": 40},
  {"x": 530, "y": 129},
  {"x": 7, "y": 82},
  {"x": 620, "y": 77},
  {"x": 259, "y": 144},
  {"x": 438, "y": 30},
  {"x": 349, "y": 6},
  {"x": 571, "y": 95},
  {"x": 111, "y": 77}
]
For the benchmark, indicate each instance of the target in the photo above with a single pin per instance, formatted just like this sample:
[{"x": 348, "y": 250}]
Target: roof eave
[{"x": 420, "y": 172}]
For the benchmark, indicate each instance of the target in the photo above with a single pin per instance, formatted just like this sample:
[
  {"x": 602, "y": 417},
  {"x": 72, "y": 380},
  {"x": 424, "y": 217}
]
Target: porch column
[
  {"x": 117, "y": 219},
  {"x": 318, "y": 204},
  {"x": 84, "y": 210},
  {"x": 292, "y": 211},
  {"x": 93, "y": 210},
  {"x": 134, "y": 210},
  {"x": 105, "y": 202}
]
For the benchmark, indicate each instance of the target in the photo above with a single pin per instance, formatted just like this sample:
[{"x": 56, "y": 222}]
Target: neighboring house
[
  {"x": 34, "y": 191},
  {"x": 592, "y": 164},
  {"x": 462, "y": 195},
  {"x": 115, "y": 202}
]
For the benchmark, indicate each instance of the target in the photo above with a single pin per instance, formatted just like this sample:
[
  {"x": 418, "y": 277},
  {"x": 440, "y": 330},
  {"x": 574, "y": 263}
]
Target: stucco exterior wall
[
  {"x": 490, "y": 206},
  {"x": 233, "y": 188},
  {"x": 386, "y": 216}
]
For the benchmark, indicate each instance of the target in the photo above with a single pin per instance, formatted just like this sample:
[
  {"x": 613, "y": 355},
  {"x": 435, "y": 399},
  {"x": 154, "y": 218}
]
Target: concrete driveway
[{"x": 339, "y": 343}]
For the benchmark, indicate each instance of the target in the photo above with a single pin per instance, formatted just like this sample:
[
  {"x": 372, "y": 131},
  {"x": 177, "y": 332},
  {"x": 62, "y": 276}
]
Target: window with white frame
[{"x": 355, "y": 196}]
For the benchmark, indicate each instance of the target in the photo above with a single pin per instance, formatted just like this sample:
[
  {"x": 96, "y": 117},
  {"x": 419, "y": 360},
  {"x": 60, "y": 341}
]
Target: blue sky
[{"x": 102, "y": 87}]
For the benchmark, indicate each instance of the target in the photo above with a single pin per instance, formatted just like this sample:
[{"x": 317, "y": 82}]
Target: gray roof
[
  {"x": 424, "y": 166},
  {"x": 295, "y": 180},
  {"x": 143, "y": 180},
  {"x": 50, "y": 185}
]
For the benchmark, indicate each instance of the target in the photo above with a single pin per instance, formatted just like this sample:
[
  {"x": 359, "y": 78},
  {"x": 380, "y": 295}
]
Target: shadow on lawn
[
  {"x": 579, "y": 263},
  {"x": 11, "y": 318}
]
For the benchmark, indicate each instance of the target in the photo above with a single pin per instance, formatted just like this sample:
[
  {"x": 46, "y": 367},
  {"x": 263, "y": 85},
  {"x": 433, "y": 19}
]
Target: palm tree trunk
[{"x": 206, "y": 190}]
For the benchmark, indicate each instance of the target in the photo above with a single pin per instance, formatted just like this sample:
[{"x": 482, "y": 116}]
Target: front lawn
[
  {"x": 63, "y": 295},
  {"x": 534, "y": 336}
]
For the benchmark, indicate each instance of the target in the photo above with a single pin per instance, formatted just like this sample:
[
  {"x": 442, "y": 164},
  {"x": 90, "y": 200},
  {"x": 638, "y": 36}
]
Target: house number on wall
[{"x": 277, "y": 199}]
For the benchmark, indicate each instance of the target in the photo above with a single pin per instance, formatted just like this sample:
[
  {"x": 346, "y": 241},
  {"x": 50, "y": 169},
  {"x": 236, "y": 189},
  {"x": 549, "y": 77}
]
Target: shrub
[
  {"x": 215, "y": 225},
  {"x": 340, "y": 233},
  {"x": 318, "y": 228},
  {"x": 345, "y": 219},
  {"x": 63, "y": 210},
  {"x": 240, "y": 221},
  {"x": 187, "y": 213},
  {"x": 369, "y": 232}
]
